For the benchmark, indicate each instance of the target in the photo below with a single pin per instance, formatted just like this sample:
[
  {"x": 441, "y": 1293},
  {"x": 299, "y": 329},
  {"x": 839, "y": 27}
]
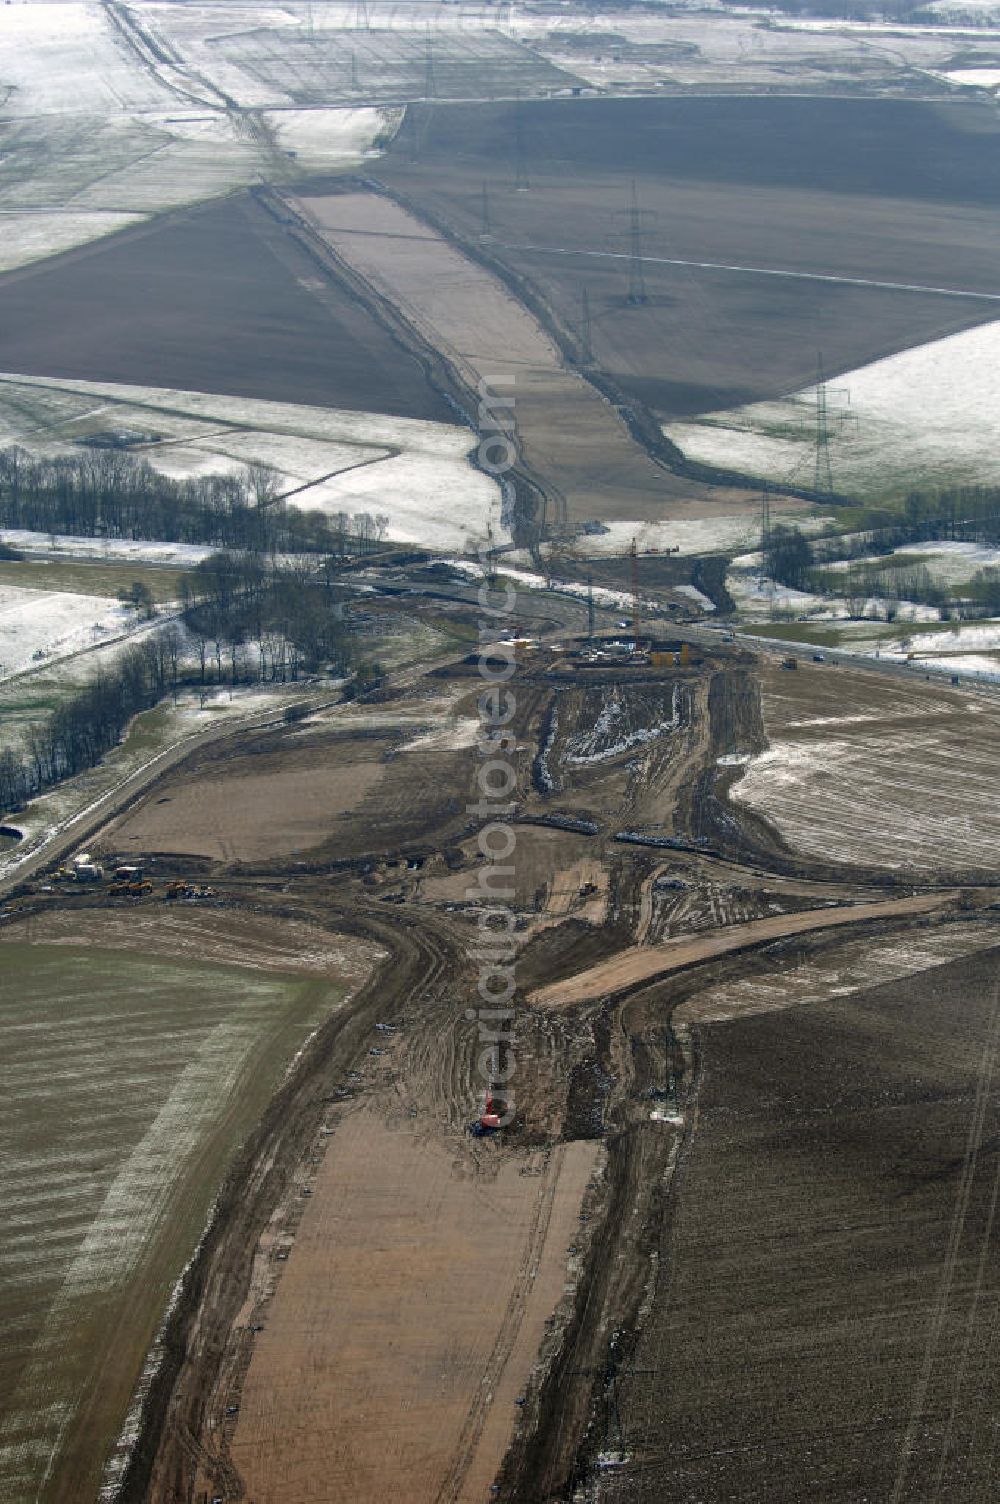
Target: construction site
[
  {"x": 508, "y": 1013},
  {"x": 412, "y": 1270}
]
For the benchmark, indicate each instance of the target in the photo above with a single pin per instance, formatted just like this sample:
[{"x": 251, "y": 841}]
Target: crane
[{"x": 633, "y": 554}]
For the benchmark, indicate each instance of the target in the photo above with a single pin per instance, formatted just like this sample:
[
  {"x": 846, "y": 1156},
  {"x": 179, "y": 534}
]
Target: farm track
[
  {"x": 472, "y": 1431},
  {"x": 640, "y": 964}
]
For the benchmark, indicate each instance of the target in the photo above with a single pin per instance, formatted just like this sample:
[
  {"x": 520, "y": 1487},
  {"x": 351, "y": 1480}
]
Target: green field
[
  {"x": 130, "y": 1079},
  {"x": 827, "y": 634},
  {"x": 81, "y": 577}
]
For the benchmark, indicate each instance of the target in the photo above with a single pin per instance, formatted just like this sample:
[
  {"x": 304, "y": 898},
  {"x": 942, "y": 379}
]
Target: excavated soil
[{"x": 378, "y": 1291}]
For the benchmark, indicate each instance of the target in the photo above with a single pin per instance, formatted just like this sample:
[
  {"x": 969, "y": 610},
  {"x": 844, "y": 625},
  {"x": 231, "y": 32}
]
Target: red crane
[{"x": 633, "y": 553}]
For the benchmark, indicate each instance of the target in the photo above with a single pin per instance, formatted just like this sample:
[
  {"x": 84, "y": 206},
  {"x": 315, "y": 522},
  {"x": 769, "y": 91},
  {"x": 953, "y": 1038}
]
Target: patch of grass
[
  {"x": 149, "y": 731},
  {"x": 829, "y": 635},
  {"x": 797, "y": 631},
  {"x": 81, "y": 577}
]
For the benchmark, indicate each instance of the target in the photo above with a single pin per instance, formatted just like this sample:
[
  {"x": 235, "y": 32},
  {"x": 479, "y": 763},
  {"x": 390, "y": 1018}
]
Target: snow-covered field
[
  {"x": 975, "y": 78},
  {"x": 971, "y": 649},
  {"x": 952, "y": 563},
  {"x": 977, "y": 13},
  {"x": 41, "y": 626},
  {"x": 101, "y": 130},
  {"x": 927, "y": 416},
  {"x": 757, "y": 597},
  {"x": 452, "y": 735},
  {"x": 707, "y": 535},
  {"x": 615, "y": 600},
  {"x": 118, "y": 550},
  {"x": 752, "y": 49},
  {"x": 855, "y": 966},
  {"x": 414, "y": 472},
  {"x": 131, "y": 1078}
]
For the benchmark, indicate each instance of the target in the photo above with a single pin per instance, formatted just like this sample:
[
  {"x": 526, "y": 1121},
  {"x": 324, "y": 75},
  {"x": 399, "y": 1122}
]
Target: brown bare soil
[
  {"x": 240, "y": 818},
  {"x": 824, "y": 1319},
  {"x": 412, "y": 1284},
  {"x": 407, "y": 1322},
  {"x": 345, "y": 786}
]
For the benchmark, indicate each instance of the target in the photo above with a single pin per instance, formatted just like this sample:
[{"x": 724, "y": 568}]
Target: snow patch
[
  {"x": 927, "y": 415},
  {"x": 453, "y": 736},
  {"x": 45, "y": 625}
]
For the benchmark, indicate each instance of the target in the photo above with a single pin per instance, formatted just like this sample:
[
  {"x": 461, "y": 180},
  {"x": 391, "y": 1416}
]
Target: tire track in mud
[{"x": 475, "y": 1422}]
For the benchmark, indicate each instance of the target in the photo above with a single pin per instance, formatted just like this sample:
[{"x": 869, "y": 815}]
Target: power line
[
  {"x": 430, "y": 87},
  {"x": 826, "y": 423},
  {"x": 586, "y": 339},
  {"x": 823, "y": 478},
  {"x": 636, "y": 271},
  {"x": 521, "y": 184},
  {"x": 635, "y": 219}
]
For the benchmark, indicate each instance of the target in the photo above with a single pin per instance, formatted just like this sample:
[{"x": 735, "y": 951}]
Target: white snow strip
[
  {"x": 696, "y": 595},
  {"x": 115, "y": 550},
  {"x": 976, "y": 78},
  {"x": 453, "y": 736},
  {"x": 928, "y": 415}
]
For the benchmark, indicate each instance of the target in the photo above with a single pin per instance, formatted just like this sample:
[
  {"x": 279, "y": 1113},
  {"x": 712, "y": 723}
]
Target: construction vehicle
[
  {"x": 181, "y": 888},
  {"x": 789, "y": 663},
  {"x": 489, "y": 1120}
]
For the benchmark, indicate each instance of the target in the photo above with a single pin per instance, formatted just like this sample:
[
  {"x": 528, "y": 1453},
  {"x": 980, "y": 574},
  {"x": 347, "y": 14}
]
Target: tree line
[
  {"x": 875, "y": 569},
  {"x": 244, "y": 619},
  {"x": 112, "y": 493},
  {"x": 249, "y": 618},
  {"x": 91, "y": 721}
]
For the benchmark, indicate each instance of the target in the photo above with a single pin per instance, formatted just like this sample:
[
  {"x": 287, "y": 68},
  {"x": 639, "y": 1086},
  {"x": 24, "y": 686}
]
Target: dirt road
[
  {"x": 388, "y": 1355},
  {"x": 641, "y": 963}
]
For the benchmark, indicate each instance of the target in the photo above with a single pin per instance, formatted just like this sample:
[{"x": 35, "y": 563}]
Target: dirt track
[
  {"x": 641, "y": 963},
  {"x": 208, "y": 1349},
  {"x": 422, "y": 1382},
  {"x": 573, "y": 444}
]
